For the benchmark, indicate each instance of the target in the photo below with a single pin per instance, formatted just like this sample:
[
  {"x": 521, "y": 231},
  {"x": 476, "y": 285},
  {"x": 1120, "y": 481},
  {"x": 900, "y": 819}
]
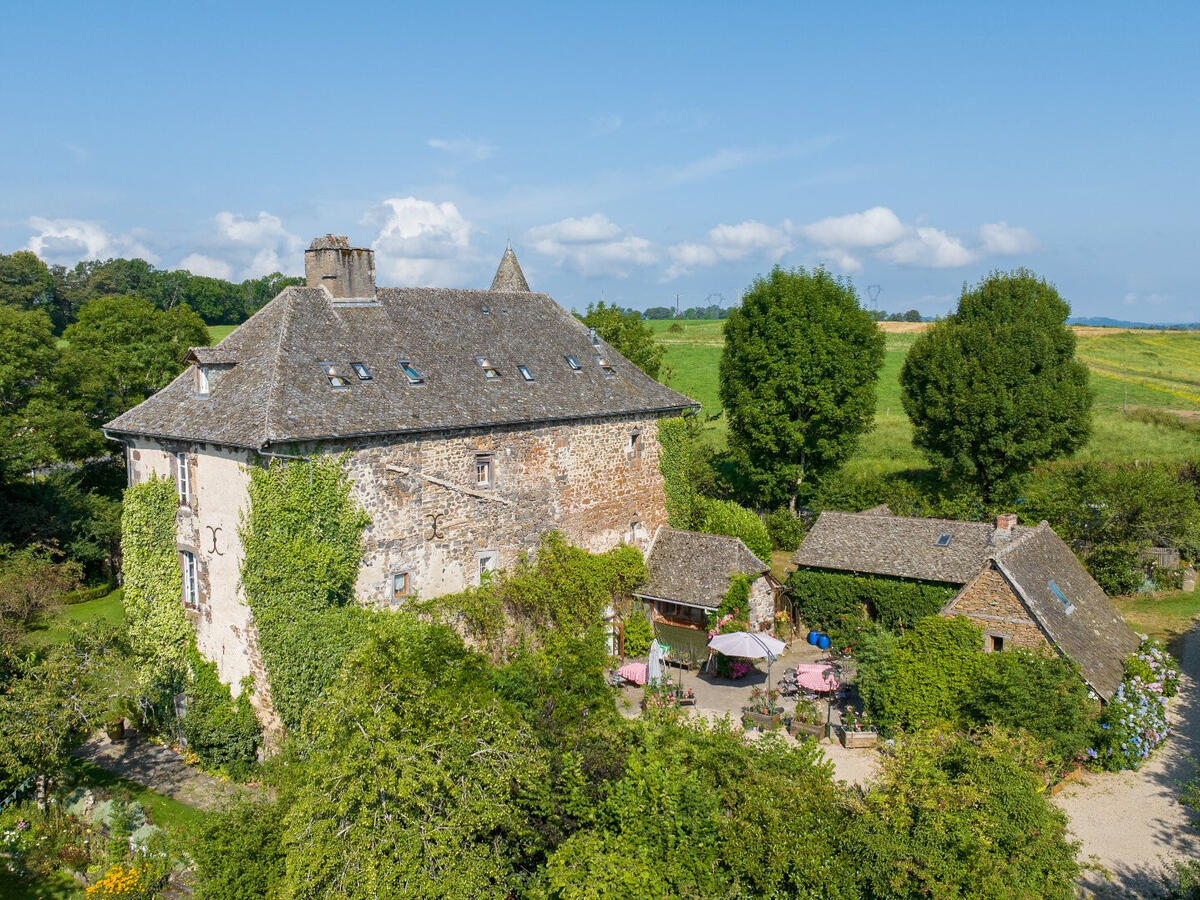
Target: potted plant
[
  {"x": 762, "y": 711},
  {"x": 807, "y": 720},
  {"x": 857, "y": 731}
]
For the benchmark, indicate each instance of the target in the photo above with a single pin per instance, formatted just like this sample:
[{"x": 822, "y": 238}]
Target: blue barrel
[
  {"x": 812, "y": 638},
  {"x": 823, "y": 641}
]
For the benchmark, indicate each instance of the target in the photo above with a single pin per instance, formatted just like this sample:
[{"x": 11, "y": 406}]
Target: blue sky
[{"x": 636, "y": 150}]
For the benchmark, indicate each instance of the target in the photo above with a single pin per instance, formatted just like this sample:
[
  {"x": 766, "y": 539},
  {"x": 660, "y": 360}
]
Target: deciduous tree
[{"x": 625, "y": 330}]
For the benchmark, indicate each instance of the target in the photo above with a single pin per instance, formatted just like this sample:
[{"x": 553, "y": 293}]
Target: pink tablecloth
[
  {"x": 635, "y": 672},
  {"x": 813, "y": 676}
]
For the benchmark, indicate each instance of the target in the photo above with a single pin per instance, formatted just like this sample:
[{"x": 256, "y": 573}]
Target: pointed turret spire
[{"x": 509, "y": 276}]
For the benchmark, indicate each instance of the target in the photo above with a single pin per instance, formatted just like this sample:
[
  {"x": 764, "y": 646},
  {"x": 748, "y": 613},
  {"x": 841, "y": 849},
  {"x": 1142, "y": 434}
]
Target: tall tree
[
  {"x": 25, "y": 281},
  {"x": 995, "y": 388},
  {"x": 798, "y": 376},
  {"x": 625, "y": 330},
  {"x": 122, "y": 350}
]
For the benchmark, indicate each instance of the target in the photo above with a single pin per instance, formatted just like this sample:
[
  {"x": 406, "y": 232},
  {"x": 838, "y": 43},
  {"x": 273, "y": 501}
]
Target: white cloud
[
  {"x": 1002, "y": 239},
  {"x": 728, "y": 159},
  {"x": 725, "y": 243},
  {"x": 593, "y": 245},
  {"x": 67, "y": 241},
  {"x": 875, "y": 227},
  {"x": 260, "y": 244},
  {"x": 199, "y": 264},
  {"x": 467, "y": 148},
  {"x": 838, "y": 261},
  {"x": 420, "y": 242},
  {"x": 929, "y": 248}
]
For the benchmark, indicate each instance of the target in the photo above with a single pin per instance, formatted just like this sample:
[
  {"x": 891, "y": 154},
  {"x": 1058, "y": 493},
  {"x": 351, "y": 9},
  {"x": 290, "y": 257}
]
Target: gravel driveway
[{"x": 1132, "y": 822}]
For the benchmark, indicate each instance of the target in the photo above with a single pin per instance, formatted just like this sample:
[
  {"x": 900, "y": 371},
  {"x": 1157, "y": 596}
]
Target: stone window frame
[
  {"x": 184, "y": 471},
  {"x": 406, "y": 574},
  {"x": 192, "y": 594},
  {"x": 486, "y": 561},
  {"x": 990, "y": 637},
  {"x": 635, "y": 447},
  {"x": 485, "y": 464}
]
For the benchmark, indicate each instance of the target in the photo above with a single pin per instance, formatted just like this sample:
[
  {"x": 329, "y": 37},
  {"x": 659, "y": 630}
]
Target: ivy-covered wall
[
  {"x": 839, "y": 603},
  {"x": 159, "y": 632},
  {"x": 302, "y": 539}
]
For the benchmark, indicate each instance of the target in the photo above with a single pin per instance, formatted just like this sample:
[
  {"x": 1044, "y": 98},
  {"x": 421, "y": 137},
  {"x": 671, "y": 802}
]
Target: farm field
[{"x": 1152, "y": 369}]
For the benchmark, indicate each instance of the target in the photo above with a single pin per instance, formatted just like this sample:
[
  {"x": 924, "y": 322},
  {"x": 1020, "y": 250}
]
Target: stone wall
[
  {"x": 762, "y": 604},
  {"x": 990, "y": 603},
  {"x": 429, "y": 517}
]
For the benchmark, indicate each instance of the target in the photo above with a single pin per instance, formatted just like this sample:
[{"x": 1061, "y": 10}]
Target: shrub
[
  {"x": 785, "y": 529},
  {"x": 638, "y": 634},
  {"x": 1117, "y": 568},
  {"x": 1134, "y": 723},
  {"x": 726, "y": 517},
  {"x": 239, "y": 853},
  {"x": 222, "y": 731}
]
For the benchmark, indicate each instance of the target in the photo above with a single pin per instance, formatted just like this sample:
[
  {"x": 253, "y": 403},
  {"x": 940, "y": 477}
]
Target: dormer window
[
  {"x": 336, "y": 379},
  {"x": 525, "y": 373},
  {"x": 574, "y": 364},
  {"x": 414, "y": 376},
  {"x": 362, "y": 370},
  {"x": 489, "y": 371},
  {"x": 605, "y": 366},
  {"x": 202, "y": 385}
]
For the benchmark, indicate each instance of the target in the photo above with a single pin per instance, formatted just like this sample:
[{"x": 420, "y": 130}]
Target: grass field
[
  {"x": 218, "y": 333},
  {"x": 1160, "y": 370},
  {"x": 108, "y": 609},
  {"x": 1163, "y": 616}
]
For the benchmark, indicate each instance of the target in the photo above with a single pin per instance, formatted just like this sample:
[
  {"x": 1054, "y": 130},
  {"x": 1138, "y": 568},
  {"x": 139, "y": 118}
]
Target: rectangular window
[
  {"x": 574, "y": 364},
  {"x": 191, "y": 580},
  {"x": 525, "y": 373},
  {"x": 487, "y": 565},
  {"x": 605, "y": 365},
  {"x": 995, "y": 643},
  {"x": 183, "y": 479},
  {"x": 201, "y": 380},
  {"x": 414, "y": 376},
  {"x": 483, "y": 471},
  {"x": 635, "y": 445},
  {"x": 362, "y": 371},
  {"x": 335, "y": 378},
  {"x": 943, "y": 539},
  {"x": 489, "y": 371},
  {"x": 400, "y": 586}
]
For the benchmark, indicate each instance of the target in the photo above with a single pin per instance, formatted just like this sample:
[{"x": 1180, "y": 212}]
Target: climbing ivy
[
  {"x": 674, "y": 455},
  {"x": 221, "y": 730},
  {"x": 559, "y": 589},
  {"x": 302, "y": 539},
  {"x": 159, "y": 633}
]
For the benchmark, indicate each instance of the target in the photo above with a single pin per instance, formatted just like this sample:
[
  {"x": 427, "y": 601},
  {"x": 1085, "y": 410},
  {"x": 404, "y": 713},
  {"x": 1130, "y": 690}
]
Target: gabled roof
[
  {"x": 509, "y": 276},
  {"x": 1092, "y": 633},
  {"x": 694, "y": 568},
  {"x": 875, "y": 543},
  {"x": 275, "y": 391}
]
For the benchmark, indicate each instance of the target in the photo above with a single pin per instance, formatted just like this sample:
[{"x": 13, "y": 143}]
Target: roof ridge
[
  {"x": 1022, "y": 538},
  {"x": 864, "y": 514},
  {"x": 275, "y": 389}
]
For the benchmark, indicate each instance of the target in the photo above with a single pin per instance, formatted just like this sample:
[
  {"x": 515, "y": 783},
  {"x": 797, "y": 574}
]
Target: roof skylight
[
  {"x": 336, "y": 379},
  {"x": 605, "y": 365},
  {"x": 525, "y": 373},
  {"x": 489, "y": 371},
  {"x": 414, "y": 376},
  {"x": 943, "y": 539},
  {"x": 574, "y": 364},
  {"x": 362, "y": 370}
]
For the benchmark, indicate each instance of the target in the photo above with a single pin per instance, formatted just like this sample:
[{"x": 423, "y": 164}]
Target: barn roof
[
  {"x": 694, "y": 568},
  {"x": 875, "y": 543},
  {"x": 274, "y": 388}
]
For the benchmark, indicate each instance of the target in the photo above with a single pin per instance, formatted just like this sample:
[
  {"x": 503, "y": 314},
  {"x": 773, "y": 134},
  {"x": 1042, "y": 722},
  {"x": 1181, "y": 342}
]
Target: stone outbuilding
[
  {"x": 471, "y": 422},
  {"x": 688, "y": 575},
  {"x": 1021, "y": 585}
]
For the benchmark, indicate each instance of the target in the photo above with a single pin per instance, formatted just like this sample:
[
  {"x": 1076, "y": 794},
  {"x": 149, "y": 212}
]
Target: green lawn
[
  {"x": 108, "y": 609},
  {"x": 163, "y": 811},
  {"x": 1144, "y": 369},
  {"x": 218, "y": 333},
  {"x": 1164, "y": 616}
]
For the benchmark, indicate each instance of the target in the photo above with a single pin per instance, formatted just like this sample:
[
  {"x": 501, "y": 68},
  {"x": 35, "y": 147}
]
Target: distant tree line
[
  {"x": 27, "y": 283},
  {"x": 692, "y": 312},
  {"x": 881, "y": 315}
]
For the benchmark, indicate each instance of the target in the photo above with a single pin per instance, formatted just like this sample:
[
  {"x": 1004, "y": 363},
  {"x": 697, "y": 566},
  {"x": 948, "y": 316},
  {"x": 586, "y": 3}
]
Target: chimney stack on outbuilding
[
  {"x": 348, "y": 273},
  {"x": 1004, "y": 525}
]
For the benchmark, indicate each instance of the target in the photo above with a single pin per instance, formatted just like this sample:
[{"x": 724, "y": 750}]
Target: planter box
[
  {"x": 814, "y": 730},
  {"x": 858, "y": 740},
  {"x": 762, "y": 720}
]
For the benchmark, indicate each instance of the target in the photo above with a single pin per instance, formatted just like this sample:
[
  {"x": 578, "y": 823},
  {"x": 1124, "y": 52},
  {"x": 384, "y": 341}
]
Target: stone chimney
[
  {"x": 348, "y": 273},
  {"x": 1004, "y": 526}
]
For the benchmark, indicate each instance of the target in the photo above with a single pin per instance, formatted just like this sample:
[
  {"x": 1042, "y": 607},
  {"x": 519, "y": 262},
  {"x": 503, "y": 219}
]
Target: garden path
[
  {"x": 1133, "y": 822},
  {"x": 158, "y": 768}
]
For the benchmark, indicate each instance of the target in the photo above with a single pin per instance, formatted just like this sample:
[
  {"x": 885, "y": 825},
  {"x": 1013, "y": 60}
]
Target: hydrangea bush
[{"x": 1134, "y": 723}]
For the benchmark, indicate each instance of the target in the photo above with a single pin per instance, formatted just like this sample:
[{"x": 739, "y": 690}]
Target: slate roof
[
  {"x": 1093, "y": 633},
  {"x": 874, "y": 543},
  {"x": 509, "y": 276},
  {"x": 274, "y": 390},
  {"x": 690, "y": 567}
]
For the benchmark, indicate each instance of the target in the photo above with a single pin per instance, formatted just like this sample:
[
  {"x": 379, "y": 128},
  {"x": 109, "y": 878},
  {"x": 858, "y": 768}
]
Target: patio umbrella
[
  {"x": 654, "y": 665},
  {"x": 749, "y": 645}
]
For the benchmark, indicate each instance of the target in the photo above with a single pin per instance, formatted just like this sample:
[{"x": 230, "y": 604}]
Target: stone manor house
[{"x": 473, "y": 420}]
